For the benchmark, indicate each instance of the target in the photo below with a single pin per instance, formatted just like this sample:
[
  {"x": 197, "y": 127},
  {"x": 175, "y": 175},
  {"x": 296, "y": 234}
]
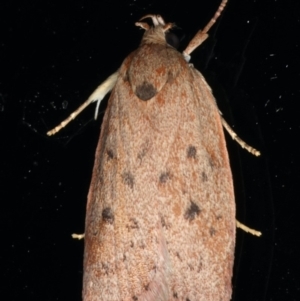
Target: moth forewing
[{"x": 160, "y": 217}]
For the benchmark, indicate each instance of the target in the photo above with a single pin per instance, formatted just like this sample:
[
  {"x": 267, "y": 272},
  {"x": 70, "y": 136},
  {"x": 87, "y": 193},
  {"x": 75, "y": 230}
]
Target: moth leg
[
  {"x": 202, "y": 35},
  {"x": 247, "y": 229},
  {"x": 97, "y": 95},
  {"x": 241, "y": 142},
  {"x": 78, "y": 236}
]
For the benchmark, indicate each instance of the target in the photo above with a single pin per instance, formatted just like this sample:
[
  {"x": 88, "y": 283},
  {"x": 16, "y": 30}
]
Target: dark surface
[{"x": 54, "y": 55}]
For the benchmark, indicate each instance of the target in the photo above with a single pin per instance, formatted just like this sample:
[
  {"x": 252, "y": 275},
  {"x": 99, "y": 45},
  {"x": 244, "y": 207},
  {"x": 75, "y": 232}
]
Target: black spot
[
  {"x": 108, "y": 215},
  {"x": 164, "y": 177},
  {"x": 204, "y": 176},
  {"x": 128, "y": 179},
  {"x": 145, "y": 91},
  {"x": 191, "y": 152},
  {"x": 187, "y": 299},
  {"x": 192, "y": 211},
  {"x": 146, "y": 287},
  {"x": 110, "y": 154},
  {"x": 175, "y": 295},
  {"x": 212, "y": 231},
  {"x": 135, "y": 298}
]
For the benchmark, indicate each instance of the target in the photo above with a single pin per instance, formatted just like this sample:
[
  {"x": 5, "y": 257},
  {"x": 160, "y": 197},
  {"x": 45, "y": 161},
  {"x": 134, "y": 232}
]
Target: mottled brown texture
[{"x": 160, "y": 220}]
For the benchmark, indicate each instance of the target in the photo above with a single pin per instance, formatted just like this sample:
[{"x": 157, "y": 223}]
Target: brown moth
[{"x": 160, "y": 217}]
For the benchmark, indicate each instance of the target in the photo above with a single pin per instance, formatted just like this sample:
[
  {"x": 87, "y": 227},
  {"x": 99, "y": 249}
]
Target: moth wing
[
  {"x": 199, "y": 217},
  {"x": 126, "y": 255},
  {"x": 160, "y": 216}
]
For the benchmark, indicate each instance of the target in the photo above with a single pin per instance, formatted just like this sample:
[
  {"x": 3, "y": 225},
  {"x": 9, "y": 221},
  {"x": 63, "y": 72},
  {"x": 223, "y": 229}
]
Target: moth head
[
  {"x": 157, "y": 21},
  {"x": 155, "y": 33}
]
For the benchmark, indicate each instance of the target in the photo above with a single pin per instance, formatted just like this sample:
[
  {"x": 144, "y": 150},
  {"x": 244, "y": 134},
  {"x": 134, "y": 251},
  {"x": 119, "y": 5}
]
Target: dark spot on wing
[
  {"x": 110, "y": 154},
  {"x": 164, "y": 177},
  {"x": 145, "y": 91},
  {"x": 192, "y": 211},
  {"x": 175, "y": 295},
  {"x": 135, "y": 298},
  {"x": 191, "y": 152},
  {"x": 108, "y": 215}
]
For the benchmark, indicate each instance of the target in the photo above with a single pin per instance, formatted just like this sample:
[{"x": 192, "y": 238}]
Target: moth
[{"x": 160, "y": 217}]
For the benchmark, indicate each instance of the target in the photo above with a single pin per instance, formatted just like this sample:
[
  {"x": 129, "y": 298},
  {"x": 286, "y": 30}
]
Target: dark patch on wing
[
  {"x": 108, "y": 215},
  {"x": 110, "y": 154},
  {"x": 192, "y": 211},
  {"x": 191, "y": 152},
  {"x": 164, "y": 177},
  {"x": 145, "y": 91}
]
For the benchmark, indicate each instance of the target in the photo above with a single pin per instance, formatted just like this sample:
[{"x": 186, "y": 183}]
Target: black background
[{"x": 53, "y": 55}]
